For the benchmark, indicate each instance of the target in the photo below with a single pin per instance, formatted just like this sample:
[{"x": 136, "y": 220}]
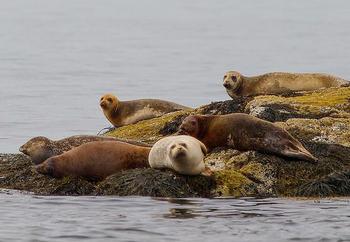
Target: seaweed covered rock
[
  {"x": 319, "y": 119},
  {"x": 16, "y": 172},
  {"x": 155, "y": 183}
]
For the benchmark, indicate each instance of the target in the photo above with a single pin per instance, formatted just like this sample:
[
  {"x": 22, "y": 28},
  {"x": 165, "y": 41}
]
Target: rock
[
  {"x": 319, "y": 119},
  {"x": 155, "y": 183},
  {"x": 332, "y": 102}
]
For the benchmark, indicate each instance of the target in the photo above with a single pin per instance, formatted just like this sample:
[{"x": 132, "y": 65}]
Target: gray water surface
[
  {"x": 37, "y": 218},
  {"x": 57, "y": 57}
]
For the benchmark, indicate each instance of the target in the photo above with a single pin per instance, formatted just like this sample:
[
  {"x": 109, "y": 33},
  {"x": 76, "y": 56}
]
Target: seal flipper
[
  {"x": 299, "y": 154},
  {"x": 46, "y": 168}
]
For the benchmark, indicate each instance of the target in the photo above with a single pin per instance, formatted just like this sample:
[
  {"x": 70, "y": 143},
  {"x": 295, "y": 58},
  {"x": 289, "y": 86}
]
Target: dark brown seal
[
  {"x": 40, "y": 148},
  {"x": 96, "y": 160},
  {"x": 244, "y": 132},
  {"x": 277, "y": 82},
  {"x": 121, "y": 113}
]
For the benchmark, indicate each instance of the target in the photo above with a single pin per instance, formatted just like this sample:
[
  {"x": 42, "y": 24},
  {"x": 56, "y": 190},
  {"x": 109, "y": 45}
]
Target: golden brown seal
[
  {"x": 121, "y": 113},
  {"x": 96, "y": 160},
  {"x": 244, "y": 132},
  {"x": 277, "y": 82},
  {"x": 40, "y": 148}
]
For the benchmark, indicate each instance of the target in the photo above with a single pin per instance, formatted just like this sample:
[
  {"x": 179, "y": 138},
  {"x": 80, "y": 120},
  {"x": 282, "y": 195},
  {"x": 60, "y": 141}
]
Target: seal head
[
  {"x": 232, "y": 81},
  {"x": 38, "y": 148},
  {"x": 190, "y": 126},
  {"x": 109, "y": 102}
]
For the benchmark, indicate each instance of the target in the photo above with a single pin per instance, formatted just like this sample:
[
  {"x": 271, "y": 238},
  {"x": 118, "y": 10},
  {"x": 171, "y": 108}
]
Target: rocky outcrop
[{"x": 319, "y": 119}]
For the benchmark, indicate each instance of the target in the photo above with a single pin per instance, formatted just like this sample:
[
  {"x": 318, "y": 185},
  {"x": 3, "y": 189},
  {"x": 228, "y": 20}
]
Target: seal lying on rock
[
  {"x": 121, "y": 113},
  {"x": 41, "y": 148},
  {"x": 96, "y": 160},
  {"x": 277, "y": 82},
  {"x": 182, "y": 153},
  {"x": 244, "y": 132}
]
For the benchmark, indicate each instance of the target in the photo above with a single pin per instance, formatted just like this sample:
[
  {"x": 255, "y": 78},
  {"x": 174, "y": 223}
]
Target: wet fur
[
  {"x": 96, "y": 160},
  {"x": 278, "y": 83},
  {"x": 121, "y": 113},
  {"x": 244, "y": 132},
  {"x": 41, "y": 148}
]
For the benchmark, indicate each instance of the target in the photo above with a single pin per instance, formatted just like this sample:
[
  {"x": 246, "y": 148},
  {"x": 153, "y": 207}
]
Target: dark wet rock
[
  {"x": 334, "y": 184},
  {"x": 16, "y": 172},
  {"x": 236, "y": 105},
  {"x": 155, "y": 183}
]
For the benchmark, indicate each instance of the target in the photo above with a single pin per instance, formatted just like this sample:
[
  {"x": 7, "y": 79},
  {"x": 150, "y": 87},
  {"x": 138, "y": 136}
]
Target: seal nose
[
  {"x": 103, "y": 104},
  {"x": 226, "y": 85}
]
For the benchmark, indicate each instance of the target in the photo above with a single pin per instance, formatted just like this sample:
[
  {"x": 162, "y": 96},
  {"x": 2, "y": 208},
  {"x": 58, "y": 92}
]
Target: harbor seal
[
  {"x": 121, "y": 113},
  {"x": 277, "y": 83},
  {"x": 182, "y": 153},
  {"x": 41, "y": 148},
  {"x": 96, "y": 160},
  {"x": 244, "y": 132}
]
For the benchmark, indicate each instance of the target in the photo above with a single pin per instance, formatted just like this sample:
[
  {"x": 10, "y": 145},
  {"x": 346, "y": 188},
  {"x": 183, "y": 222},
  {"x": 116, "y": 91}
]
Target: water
[
  {"x": 57, "y": 57},
  {"x": 150, "y": 219}
]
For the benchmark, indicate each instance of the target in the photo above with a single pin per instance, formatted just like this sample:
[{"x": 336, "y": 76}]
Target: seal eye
[
  {"x": 183, "y": 145},
  {"x": 225, "y": 77},
  {"x": 109, "y": 99},
  {"x": 172, "y": 147},
  {"x": 234, "y": 78},
  {"x": 101, "y": 99}
]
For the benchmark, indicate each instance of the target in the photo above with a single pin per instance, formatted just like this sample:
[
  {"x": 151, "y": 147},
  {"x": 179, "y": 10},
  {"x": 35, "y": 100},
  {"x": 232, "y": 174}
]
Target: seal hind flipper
[{"x": 299, "y": 154}]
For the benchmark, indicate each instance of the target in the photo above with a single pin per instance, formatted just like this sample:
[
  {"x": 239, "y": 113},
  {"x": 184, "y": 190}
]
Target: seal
[
  {"x": 244, "y": 132},
  {"x": 182, "y": 153},
  {"x": 96, "y": 160},
  {"x": 121, "y": 113},
  {"x": 41, "y": 148},
  {"x": 277, "y": 83}
]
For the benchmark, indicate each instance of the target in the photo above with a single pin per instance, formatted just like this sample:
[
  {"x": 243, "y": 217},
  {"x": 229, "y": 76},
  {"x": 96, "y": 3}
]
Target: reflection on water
[{"x": 153, "y": 219}]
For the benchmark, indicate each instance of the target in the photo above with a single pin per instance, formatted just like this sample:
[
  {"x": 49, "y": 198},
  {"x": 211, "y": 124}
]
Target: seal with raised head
[
  {"x": 181, "y": 153},
  {"x": 244, "y": 132},
  {"x": 277, "y": 83},
  {"x": 41, "y": 148},
  {"x": 121, "y": 113},
  {"x": 96, "y": 160}
]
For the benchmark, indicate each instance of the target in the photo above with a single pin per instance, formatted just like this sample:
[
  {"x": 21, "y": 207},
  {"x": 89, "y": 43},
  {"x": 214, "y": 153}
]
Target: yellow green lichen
[
  {"x": 146, "y": 130},
  {"x": 232, "y": 183}
]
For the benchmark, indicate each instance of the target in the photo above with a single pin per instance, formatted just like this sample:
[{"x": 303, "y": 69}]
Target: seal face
[
  {"x": 244, "y": 132},
  {"x": 182, "y": 153},
  {"x": 232, "y": 82},
  {"x": 41, "y": 148},
  {"x": 96, "y": 160},
  {"x": 277, "y": 82},
  {"x": 121, "y": 113}
]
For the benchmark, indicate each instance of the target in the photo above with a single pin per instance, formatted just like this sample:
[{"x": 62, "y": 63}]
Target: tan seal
[
  {"x": 277, "y": 82},
  {"x": 182, "y": 153},
  {"x": 121, "y": 113},
  {"x": 40, "y": 148},
  {"x": 96, "y": 160},
  {"x": 244, "y": 132}
]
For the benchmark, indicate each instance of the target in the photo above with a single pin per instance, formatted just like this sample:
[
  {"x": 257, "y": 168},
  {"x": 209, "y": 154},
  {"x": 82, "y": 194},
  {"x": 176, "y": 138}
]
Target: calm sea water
[
  {"x": 36, "y": 218},
  {"x": 57, "y": 57}
]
